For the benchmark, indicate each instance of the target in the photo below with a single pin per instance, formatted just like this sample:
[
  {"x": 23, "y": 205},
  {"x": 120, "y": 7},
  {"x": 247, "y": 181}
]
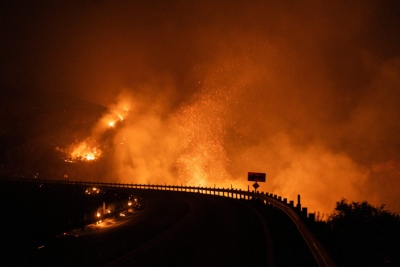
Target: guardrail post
[
  {"x": 304, "y": 212},
  {"x": 311, "y": 217},
  {"x": 298, "y": 207}
]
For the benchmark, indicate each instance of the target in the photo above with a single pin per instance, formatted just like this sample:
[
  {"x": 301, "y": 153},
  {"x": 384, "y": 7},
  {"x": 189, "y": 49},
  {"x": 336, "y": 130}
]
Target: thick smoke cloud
[{"x": 306, "y": 92}]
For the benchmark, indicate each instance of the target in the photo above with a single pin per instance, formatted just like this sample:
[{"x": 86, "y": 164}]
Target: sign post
[{"x": 256, "y": 177}]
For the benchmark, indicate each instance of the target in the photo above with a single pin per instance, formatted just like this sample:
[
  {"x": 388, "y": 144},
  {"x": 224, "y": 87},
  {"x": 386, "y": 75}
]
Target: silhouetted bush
[{"x": 360, "y": 234}]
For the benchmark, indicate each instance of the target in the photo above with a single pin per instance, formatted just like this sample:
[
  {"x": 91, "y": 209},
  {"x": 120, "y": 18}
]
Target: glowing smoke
[
  {"x": 306, "y": 91},
  {"x": 234, "y": 125}
]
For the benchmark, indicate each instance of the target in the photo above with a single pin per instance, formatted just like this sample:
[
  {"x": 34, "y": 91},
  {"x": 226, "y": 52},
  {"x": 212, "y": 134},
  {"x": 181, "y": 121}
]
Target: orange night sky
[{"x": 306, "y": 91}]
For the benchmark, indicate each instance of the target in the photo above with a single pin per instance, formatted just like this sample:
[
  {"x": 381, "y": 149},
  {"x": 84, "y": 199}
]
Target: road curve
[
  {"x": 320, "y": 255},
  {"x": 174, "y": 229},
  {"x": 182, "y": 229},
  {"x": 213, "y": 232}
]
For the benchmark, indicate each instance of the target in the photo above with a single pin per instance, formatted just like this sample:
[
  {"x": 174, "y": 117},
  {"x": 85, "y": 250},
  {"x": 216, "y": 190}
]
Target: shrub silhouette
[{"x": 361, "y": 234}]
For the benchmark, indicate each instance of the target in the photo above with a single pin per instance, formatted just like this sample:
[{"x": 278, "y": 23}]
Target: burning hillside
[
  {"x": 93, "y": 147},
  {"x": 34, "y": 140}
]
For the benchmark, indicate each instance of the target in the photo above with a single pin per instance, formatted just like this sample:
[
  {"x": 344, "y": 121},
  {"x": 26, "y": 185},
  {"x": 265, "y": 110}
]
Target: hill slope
[{"x": 34, "y": 124}]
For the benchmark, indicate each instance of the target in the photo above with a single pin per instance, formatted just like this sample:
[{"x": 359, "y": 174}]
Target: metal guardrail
[{"x": 320, "y": 255}]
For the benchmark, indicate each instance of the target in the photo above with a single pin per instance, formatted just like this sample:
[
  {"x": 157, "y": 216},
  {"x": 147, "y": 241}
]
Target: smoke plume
[{"x": 307, "y": 92}]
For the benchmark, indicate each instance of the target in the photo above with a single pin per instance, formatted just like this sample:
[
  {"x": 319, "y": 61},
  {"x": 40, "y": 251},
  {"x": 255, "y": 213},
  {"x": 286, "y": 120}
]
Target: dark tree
[{"x": 361, "y": 234}]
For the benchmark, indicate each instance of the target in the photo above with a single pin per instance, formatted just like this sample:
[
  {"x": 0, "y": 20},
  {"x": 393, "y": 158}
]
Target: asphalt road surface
[{"x": 182, "y": 229}]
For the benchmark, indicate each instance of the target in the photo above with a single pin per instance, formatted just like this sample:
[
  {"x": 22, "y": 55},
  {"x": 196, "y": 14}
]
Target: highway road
[{"x": 184, "y": 229}]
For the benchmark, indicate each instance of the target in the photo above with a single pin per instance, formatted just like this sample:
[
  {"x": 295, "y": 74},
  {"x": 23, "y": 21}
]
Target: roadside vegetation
[{"x": 360, "y": 234}]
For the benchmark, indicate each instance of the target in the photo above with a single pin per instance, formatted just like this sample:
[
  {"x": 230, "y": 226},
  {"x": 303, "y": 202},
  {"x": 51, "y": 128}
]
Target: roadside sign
[
  {"x": 255, "y": 185},
  {"x": 256, "y": 177}
]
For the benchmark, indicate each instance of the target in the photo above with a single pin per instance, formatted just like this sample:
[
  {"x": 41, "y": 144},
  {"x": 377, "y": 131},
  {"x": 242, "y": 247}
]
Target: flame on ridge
[
  {"x": 85, "y": 152},
  {"x": 90, "y": 148}
]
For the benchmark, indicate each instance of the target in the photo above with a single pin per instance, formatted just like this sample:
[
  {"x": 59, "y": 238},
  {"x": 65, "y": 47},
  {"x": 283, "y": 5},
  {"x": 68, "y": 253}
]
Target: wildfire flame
[
  {"x": 89, "y": 150},
  {"x": 90, "y": 157},
  {"x": 111, "y": 119},
  {"x": 84, "y": 152}
]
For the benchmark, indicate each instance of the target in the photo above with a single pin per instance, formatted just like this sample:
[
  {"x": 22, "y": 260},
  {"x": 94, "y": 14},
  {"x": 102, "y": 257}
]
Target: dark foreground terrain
[{"x": 49, "y": 225}]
